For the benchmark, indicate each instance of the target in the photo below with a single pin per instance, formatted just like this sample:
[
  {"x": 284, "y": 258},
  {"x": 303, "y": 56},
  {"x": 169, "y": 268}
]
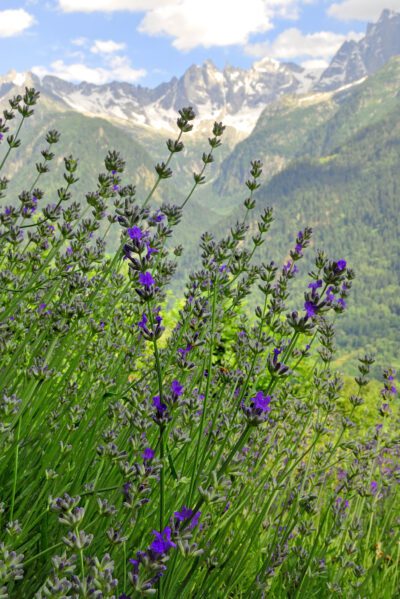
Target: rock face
[{"x": 356, "y": 60}]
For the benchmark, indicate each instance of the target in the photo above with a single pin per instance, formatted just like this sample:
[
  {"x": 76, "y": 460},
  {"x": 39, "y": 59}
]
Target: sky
[{"x": 148, "y": 42}]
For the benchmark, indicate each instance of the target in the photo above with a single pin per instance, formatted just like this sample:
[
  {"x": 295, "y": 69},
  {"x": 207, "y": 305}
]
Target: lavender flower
[
  {"x": 150, "y": 250},
  {"x": 329, "y": 294},
  {"x": 341, "y": 265},
  {"x": 176, "y": 388},
  {"x": 185, "y": 513},
  {"x": 311, "y": 309},
  {"x": 162, "y": 542},
  {"x": 135, "y": 233},
  {"x": 146, "y": 279},
  {"x": 143, "y": 322},
  {"x": 184, "y": 351},
  {"x": 315, "y": 285},
  {"x": 157, "y": 217},
  {"x": 257, "y": 412},
  {"x": 160, "y": 407},
  {"x": 148, "y": 454}
]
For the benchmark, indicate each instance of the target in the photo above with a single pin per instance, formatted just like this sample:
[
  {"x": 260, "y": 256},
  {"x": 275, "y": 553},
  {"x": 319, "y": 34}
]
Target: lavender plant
[{"x": 209, "y": 455}]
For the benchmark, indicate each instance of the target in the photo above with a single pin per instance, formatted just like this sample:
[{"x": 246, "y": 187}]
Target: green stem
[
  {"x": 161, "y": 435},
  {"x": 124, "y": 550},
  {"x": 10, "y": 148},
  {"x": 162, "y": 479},
  {"x": 31, "y": 559},
  {"x": 195, "y": 184},
  {"x": 156, "y": 184},
  {"x": 205, "y": 401},
  {"x": 14, "y": 489}
]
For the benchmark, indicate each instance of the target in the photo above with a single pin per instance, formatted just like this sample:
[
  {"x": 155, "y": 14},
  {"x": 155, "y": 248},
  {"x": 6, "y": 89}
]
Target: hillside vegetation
[{"x": 340, "y": 173}]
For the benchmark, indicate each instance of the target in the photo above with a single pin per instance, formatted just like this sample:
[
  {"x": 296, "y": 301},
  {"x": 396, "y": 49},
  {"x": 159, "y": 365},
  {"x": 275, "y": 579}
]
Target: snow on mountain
[
  {"x": 236, "y": 96},
  {"x": 355, "y": 60}
]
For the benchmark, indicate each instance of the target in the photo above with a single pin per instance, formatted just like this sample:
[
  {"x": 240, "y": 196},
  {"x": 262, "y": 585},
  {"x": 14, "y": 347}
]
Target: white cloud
[
  {"x": 119, "y": 69},
  {"x": 193, "y": 23},
  {"x": 208, "y": 23},
  {"x": 109, "y": 5},
  {"x": 292, "y": 43},
  {"x": 79, "y": 41},
  {"x": 14, "y": 21},
  {"x": 106, "y": 47},
  {"x": 361, "y": 10}
]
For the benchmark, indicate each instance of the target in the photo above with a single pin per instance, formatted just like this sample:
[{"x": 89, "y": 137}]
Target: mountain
[
  {"x": 355, "y": 60},
  {"x": 236, "y": 96}
]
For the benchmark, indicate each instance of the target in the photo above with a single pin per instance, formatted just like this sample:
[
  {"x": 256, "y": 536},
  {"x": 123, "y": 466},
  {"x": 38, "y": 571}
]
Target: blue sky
[{"x": 150, "y": 41}]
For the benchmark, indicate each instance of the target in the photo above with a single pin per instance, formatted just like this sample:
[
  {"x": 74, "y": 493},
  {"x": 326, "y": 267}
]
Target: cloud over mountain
[{"x": 15, "y": 21}]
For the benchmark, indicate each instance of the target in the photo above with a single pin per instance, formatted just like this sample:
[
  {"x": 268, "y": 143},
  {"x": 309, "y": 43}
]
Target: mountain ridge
[
  {"x": 233, "y": 95},
  {"x": 355, "y": 60}
]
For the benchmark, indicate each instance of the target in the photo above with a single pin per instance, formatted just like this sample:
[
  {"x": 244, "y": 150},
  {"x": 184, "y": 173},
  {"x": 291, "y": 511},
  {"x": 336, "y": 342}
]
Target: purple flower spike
[
  {"x": 195, "y": 520},
  {"x": 261, "y": 402},
  {"x": 329, "y": 294},
  {"x": 142, "y": 323},
  {"x": 374, "y": 487},
  {"x": 183, "y": 351},
  {"x": 315, "y": 285},
  {"x": 341, "y": 264},
  {"x": 162, "y": 542},
  {"x": 150, "y": 250},
  {"x": 277, "y": 351},
  {"x": 176, "y": 388},
  {"x": 185, "y": 513},
  {"x": 146, "y": 279},
  {"x": 158, "y": 217},
  {"x": 161, "y": 407},
  {"x": 311, "y": 309},
  {"x": 135, "y": 233},
  {"x": 148, "y": 454}
]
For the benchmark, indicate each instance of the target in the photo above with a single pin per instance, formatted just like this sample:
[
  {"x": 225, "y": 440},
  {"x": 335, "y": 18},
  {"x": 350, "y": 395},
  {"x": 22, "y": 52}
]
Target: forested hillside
[{"x": 346, "y": 185}]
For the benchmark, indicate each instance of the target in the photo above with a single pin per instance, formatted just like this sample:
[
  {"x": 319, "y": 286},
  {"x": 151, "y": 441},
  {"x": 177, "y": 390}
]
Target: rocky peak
[{"x": 355, "y": 60}]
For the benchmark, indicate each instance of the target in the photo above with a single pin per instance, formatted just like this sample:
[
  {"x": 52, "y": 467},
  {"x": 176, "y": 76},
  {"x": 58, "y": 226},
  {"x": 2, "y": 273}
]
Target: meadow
[{"x": 200, "y": 451}]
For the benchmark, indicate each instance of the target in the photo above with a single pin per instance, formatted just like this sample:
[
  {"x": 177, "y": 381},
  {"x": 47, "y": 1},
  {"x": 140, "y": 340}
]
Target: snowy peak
[
  {"x": 234, "y": 95},
  {"x": 355, "y": 60}
]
